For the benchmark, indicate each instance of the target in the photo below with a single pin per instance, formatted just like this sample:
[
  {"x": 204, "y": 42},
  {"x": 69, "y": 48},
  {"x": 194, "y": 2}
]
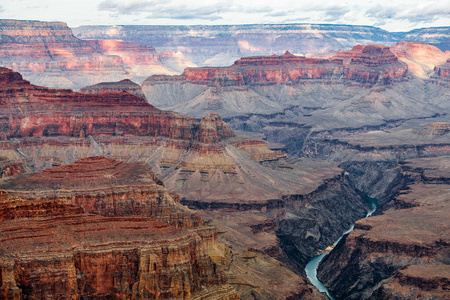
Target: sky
[{"x": 391, "y": 15}]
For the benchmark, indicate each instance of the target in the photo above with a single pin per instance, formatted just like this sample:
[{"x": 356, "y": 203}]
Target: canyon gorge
[{"x": 162, "y": 180}]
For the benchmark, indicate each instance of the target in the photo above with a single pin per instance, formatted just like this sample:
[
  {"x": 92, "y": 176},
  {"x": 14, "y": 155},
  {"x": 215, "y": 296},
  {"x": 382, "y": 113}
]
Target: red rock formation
[
  {"x": 53, "y": 250},
  {"x": 371, "y": 64},
  {"x": 213, "y": 130},
  {"x": 121, "y": 252},
  {"x": 106, "y": 187},
  {"x": 47, "y": 53},
  {"x": 363, "y": 64},
  {"x": 25, "y": 112},
  {"x": 125, "y": 85}
]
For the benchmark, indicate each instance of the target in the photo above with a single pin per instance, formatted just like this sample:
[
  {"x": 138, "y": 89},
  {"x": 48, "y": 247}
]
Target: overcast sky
[{"x": 392, "y": 15}]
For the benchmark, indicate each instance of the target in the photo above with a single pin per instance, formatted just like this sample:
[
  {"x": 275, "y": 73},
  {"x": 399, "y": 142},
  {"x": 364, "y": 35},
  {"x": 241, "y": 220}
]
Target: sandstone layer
[
  {"x": 106, "y": 187},
  {"x": 272, "y": 85},
  {"x": 47, "y": 53},
  {"x": 364, "y": 64},
  {"x": 51, "y": 250}
]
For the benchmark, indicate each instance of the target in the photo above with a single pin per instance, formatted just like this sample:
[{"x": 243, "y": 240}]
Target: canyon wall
[
  {"x": 101, "y": 228},
  {"x": 221, "y": 45},
  {"x": 402, "y": 253},
  {"x": 48, "y": 54}
]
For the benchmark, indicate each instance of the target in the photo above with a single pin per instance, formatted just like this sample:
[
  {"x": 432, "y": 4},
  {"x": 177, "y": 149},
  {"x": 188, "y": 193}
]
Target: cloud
[
  {"x": 414, "y": 13},
  {"x": 161, "y": 9},
  {"x": 327, "y": 12},
  {"x": 1, "y": 8}
]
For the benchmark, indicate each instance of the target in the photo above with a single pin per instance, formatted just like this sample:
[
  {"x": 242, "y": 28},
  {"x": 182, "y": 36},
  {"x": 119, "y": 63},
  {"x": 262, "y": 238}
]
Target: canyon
[
  {"x": 213, "y": 170},
  {"x": 222, "y": 45},
  {"x": 303, "y": 144}
]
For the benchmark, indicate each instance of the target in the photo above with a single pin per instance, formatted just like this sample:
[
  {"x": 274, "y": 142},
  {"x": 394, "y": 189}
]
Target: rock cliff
[
  {"x": 213, "y": 170},
  {"x": 101, "y": 185},
  {"x": 269, "y": 85},
  {"x": 53, "y": 250},
  {"x": 48, "y": 54},
  {"x": 402, "y": 253},
  {"x": 221, "y": 45},
  {"x": 364, "y": 64},
  {"x": 100, "y": 228}
]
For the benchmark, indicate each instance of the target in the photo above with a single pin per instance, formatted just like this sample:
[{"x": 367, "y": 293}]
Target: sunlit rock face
[
  {"x": 48, "y": 54},
  {"x": 421, "y": 58}
]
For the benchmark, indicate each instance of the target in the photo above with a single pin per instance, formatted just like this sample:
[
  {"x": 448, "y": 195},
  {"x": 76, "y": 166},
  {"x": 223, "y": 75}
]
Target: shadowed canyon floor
[{"x": 404, "y": 252}]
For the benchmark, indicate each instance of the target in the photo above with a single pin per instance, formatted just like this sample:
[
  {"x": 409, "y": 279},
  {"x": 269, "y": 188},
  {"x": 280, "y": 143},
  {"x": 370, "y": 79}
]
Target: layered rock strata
[
  {"x": 204, "y": 161},
  {"x": 48, "y": 54},
  {"x": 364, "y": 64},
  {"x": 125, "y": 85},
  {"x": 442, "y": 74},
  {"x": 403, "y": 253},
  {"x": 220, "y": 45},
  {"x": 271, "y": 85},
  {"x": 106, "y": 187},
  {"x": 51, "y": 249}
]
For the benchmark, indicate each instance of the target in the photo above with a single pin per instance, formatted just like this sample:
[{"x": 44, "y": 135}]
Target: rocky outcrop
[
  {"x": 54, "y": 250},
  {"x": 125, "y": 85},
  {"x": 364, "y": 64},
  {"x": 442, "y": 74},
  {"x": 270, "y": 85},
  {"x": 101, "y": 185},
  {"x": 371, "y": 64},
  {"x": 48, "y": 54},
  {"x": 100, "y": 228},
  {"x": 75, "y": 114},
  {"x": 403, "y": 252}
]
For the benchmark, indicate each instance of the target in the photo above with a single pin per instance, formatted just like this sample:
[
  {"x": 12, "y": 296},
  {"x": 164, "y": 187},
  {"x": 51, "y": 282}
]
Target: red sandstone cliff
[
  {"x": 363, "y": 64},
  {"x": 118, "y": 252},
  {"x": 59, "y": 252},
  {"x": 29, "y": 110},
  {"x": 48, "y": 54}
]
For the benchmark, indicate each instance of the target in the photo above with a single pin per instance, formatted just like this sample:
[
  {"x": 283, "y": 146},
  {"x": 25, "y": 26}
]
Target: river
[{"x": 311, "y": 267}]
